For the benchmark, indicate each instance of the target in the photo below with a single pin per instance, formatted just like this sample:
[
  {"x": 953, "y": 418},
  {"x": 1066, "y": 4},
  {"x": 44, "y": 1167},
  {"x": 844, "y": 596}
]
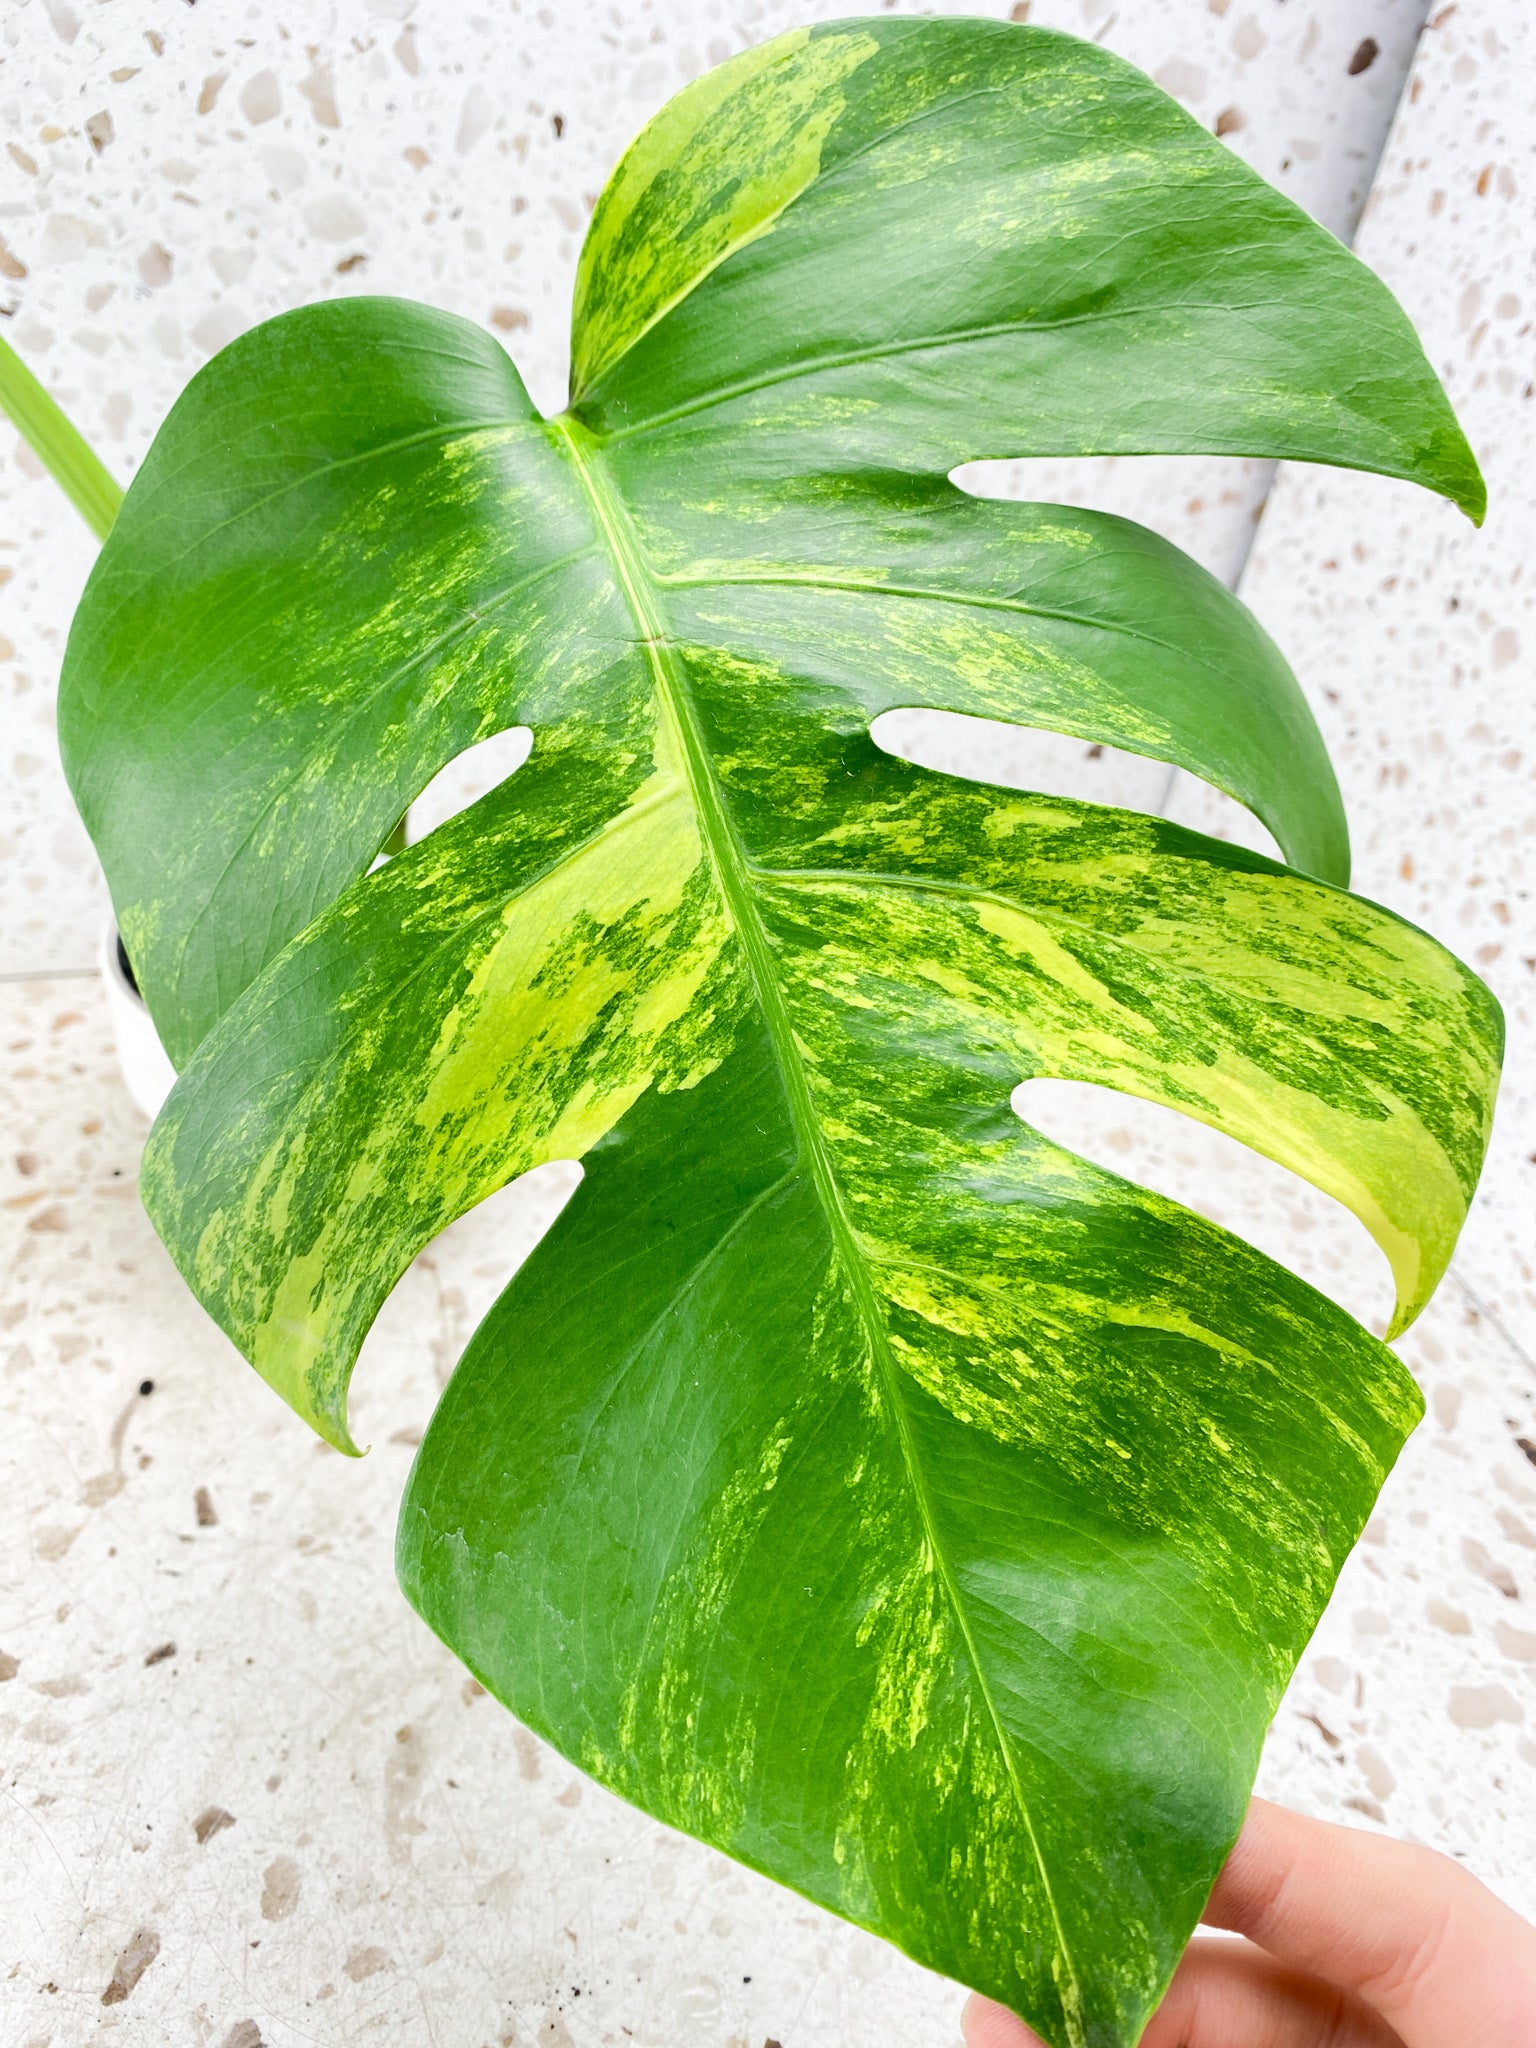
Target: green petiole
[{"x": 73, "y": 465}]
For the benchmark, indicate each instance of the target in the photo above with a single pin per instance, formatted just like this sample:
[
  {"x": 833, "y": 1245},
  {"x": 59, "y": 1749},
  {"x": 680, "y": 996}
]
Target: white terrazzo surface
[{"x": 401, "y": 1862}]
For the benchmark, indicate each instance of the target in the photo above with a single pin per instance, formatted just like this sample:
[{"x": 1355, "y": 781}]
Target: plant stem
[{"x": 73, "y": 465}]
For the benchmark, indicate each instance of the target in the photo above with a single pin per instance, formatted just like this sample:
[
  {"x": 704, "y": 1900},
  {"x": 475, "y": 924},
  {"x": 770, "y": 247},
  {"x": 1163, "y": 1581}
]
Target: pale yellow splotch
[
  {"x": 539, "y": 1006},
  {"x": 711, "y": 173}
]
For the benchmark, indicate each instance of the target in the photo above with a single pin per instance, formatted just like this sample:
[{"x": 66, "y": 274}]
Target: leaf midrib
[{"x": 732, "y": 869}]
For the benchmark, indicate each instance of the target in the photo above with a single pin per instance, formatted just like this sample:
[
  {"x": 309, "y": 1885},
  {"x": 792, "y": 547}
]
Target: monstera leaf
[{"x": 852, "y": 1478}]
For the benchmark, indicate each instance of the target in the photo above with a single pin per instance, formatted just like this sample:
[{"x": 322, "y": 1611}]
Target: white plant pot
[{"x": 147, "y": 1070}]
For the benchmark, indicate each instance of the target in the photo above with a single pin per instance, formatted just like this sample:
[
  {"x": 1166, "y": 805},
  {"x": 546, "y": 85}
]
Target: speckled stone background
[{"x": 248, "y": 1799}]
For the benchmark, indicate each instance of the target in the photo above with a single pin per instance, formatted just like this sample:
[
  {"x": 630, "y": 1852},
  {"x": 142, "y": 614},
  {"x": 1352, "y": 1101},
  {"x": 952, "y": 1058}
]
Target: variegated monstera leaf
[{"x": 852, "y": 1478}]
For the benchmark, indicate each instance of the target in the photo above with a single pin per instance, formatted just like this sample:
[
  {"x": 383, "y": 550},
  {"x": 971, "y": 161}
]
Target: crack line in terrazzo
[{"x": 1493, "y": 1320}]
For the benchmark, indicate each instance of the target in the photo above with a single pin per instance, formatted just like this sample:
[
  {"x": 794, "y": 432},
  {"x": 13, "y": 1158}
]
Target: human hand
[{"x": 1353, "y": 1941}]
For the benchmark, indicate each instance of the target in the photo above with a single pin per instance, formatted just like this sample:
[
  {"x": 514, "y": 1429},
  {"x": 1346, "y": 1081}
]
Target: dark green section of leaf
[{"x": 670, "y": 1520}]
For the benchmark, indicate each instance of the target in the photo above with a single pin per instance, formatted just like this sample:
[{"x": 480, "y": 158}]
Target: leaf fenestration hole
[
  {"x": 446, "y": 1292},
  {"x": 1022, "y": 757},
  {"x": 1265, "y": 1204},
  {"x": 468, "y": 777},
  {"x": 1208, "y": 505},
  {"x": 1058, "y": 764}
]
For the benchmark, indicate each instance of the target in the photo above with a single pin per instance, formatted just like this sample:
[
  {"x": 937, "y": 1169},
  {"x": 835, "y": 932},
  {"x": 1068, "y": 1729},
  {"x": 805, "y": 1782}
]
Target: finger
[
  {"x": 1406, "y": 1930},
  {"x": 1227, "y": 1994},
  {"x": 1224, "y": 1994},
  {"x": 986, "y": 2024}
]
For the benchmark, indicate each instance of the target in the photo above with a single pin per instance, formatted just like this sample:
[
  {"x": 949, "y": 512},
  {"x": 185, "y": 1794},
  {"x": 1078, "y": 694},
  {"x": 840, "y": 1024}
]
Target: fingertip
[
  {"x": 1225, "y": 1992},
  {"x": 986, "y": 2024}
]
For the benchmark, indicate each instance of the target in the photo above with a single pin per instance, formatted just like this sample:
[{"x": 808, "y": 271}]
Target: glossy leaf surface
[{"x": 852, "y": 1477}]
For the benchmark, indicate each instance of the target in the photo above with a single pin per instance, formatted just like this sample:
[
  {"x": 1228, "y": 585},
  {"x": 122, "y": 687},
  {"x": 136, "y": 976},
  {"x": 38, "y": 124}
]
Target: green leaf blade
[
  {"x": 1009, "y": 249},
  {"x": 528, "y": 976},
  {"x": 1039, "y": 615},
  {"x": 853, "y": 1477},
  {"x": 992, "y": 1639},
  {"x": 253, "y": 592},
  {"x": 709, "y": 175}
]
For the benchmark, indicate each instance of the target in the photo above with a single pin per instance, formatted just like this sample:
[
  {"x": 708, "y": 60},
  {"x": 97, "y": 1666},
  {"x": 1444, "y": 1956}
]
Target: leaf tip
[
  {"x": 1413, "y": 1299},
  {"x": 1461, "y": 479},
  {"x": 327, "y": 1417}
]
